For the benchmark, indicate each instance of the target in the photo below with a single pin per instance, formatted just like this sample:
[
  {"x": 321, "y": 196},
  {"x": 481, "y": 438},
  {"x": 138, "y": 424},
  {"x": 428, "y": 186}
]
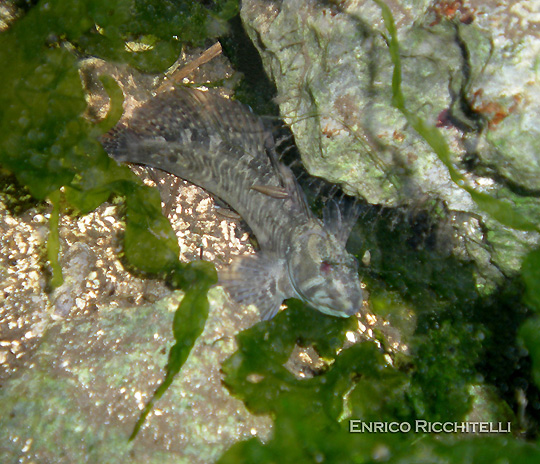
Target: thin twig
[{"x": 179, "y": 74}]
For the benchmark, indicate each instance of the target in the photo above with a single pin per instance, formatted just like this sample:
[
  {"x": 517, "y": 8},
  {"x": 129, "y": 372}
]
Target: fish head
[{"x": 323, "y": 273}]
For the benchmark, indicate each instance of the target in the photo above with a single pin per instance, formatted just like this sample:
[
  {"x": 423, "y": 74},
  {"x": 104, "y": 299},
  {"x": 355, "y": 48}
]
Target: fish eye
[{"x": 326, "y": 267}]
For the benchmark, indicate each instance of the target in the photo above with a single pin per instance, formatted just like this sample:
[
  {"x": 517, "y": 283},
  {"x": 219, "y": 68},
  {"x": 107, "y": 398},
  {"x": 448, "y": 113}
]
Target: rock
[
  {"x": 467, "y": 68},
  {"x": 82, "y": 391}
]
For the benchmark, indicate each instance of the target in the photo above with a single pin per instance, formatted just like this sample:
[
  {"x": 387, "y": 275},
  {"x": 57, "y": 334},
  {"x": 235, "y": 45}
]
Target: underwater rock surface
[
  {"x": 469, "y": 68},
  {"x": 73, "y": 387}
]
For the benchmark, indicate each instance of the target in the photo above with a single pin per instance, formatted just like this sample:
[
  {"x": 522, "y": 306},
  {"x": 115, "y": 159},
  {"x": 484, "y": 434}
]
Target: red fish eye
[{"x": 326, "y": 267}]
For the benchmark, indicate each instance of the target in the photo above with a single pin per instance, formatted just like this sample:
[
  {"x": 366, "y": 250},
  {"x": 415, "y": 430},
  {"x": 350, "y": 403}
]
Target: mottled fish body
[{"x": 221, "y": 146}]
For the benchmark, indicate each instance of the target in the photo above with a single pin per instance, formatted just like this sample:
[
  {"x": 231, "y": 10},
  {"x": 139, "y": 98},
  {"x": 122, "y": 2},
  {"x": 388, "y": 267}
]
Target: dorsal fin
[{"x": 340, "y": 217}]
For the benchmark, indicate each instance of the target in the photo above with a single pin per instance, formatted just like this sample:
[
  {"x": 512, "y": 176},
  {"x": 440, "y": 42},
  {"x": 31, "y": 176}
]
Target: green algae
[
  {"x": 531, "y": 276},
  {"x": 531, "y": 328},
  {"x": 49, "y": 144},
  {"x": 311, "y": 416},
  {"x": 188, "y": 325}
]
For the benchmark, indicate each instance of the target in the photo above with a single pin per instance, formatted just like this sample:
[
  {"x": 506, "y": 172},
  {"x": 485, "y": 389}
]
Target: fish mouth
[
  {"x": 325, "y": 309},
  {"x": 332, "y": 312}
]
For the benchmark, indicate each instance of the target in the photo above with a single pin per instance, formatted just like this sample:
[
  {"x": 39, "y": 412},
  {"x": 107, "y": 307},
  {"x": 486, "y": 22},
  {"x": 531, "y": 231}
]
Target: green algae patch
[
  {"x": 149, "y": 243},
  {"x": 439, "y": 389},
  {"x": 255, "y": 373},
  {"x": 188, "y": 324},
  {"x": 52, "y": 148},
  {"x": 531, "y": 276},
  {"x": 47, "y": 141},
  {"x": 360, "y": 383},
  {"x": 530, "y": 331},
  {"x": 311, "y": 415}
]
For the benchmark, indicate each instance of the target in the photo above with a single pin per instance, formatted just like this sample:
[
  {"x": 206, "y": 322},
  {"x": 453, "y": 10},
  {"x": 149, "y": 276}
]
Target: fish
[{"x": 220, "y": 145}]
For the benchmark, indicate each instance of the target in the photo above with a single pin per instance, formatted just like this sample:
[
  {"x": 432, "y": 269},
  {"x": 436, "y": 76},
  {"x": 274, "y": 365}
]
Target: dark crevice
[
  {"x": 466, "y": 118},
  {"x": 255, "y": 88}
]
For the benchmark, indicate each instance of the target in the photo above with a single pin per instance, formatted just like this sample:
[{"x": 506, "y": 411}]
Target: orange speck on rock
[
  {"x": 398, "y": 136},
  {"x": 494, "y": 111},
  {"x": 452, "y": 9}
]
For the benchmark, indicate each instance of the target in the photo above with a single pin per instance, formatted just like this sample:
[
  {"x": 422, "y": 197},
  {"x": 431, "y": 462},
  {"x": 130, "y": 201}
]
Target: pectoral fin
[
  {"x": 259, "y": 280},
  {"x": 275, "y": 192}
]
